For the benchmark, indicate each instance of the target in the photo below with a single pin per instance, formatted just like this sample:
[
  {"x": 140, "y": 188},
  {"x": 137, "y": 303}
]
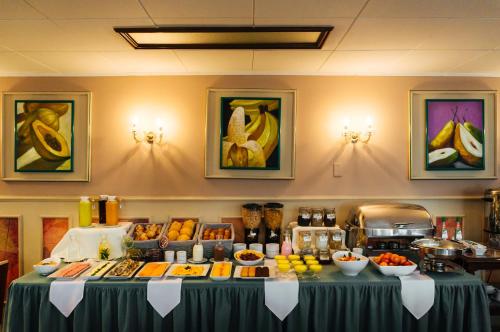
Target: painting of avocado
[
  {"x": 43, "y": 135},
  {"x": 250, "y": 133},
  {"x": 455, "y": 134}
]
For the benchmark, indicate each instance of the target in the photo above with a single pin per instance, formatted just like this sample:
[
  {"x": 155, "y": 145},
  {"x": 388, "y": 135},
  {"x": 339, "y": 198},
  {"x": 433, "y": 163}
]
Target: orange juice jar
[{"x": 112, "y": 211}]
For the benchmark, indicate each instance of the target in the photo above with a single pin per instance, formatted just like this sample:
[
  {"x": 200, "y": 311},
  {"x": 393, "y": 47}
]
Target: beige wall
[{"x": 173, "y": 174}]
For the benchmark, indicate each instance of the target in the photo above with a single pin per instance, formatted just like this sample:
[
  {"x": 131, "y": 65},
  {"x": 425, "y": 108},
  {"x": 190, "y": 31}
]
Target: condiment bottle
[
  {"x": 219, "y": 250},
  {"x": 286, "y": 246},
  {"x": 104, "y": 251},
  {"x": 102, "y": 208},
  {"x": 85, "y": 212},
  {"x": 111, "y": 211},
  {"x": 458, "y": 230},
  {"x": 444, "y": 230},
  {"x": 198, "y": 252}
]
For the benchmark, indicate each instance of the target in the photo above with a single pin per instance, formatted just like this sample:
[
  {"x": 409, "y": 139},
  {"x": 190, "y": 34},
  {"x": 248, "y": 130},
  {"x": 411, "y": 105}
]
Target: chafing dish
[
  {"x": 387, "y": 226},
  {"x": 437, "y": 255}
]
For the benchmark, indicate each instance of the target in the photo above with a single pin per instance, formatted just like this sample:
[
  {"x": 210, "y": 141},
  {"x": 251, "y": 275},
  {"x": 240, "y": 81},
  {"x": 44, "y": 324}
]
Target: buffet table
[{"x": 368, "y": 302}]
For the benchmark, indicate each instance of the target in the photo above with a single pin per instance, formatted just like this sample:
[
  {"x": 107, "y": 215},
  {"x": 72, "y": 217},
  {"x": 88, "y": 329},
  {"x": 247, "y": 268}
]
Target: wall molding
[{"x": 240, "y": 198}]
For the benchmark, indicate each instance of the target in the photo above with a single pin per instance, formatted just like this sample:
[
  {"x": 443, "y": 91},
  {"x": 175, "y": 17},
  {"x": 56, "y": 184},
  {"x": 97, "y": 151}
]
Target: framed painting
[
  {"x": 53, "y": 230},
  {"x": 250, "y": 134},
  {"x": 11, "y": 246},
  {"x": 46, "y": 136},
  {"x": 452, "y": 135}
]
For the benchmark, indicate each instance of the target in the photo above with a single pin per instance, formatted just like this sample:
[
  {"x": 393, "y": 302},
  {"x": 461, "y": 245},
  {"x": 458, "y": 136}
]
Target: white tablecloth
[
  {"x": 281, "y": 295},
  {"x": 417, "y": 292},
  {"x": 65, "y": 295},
  {"x": 88, "y": 240}
]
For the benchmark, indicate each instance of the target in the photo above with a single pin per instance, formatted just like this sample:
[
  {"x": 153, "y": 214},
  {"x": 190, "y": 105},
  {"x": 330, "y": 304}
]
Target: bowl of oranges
[
  {"x": 390, "y": 264},
  {"x": 350, "y": 263}
]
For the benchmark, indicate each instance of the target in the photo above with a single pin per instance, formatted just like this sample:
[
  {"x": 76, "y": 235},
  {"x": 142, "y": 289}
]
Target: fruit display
[
  {"x": 181, "y": 230},
  {"x": 221, "y": 270},
  {"x": 153, "y": 270},
  {"x": 124, "y": 270},
  {"x": 390, "y": 259},
  {"x": 349, "y": 257},
  {"x": 188, "y": 270},
  {"x": 144, "y": 232},
  {"x": 254, "y": 272},
  {"x": 459, "y": 140},
  {"x": 349, "y": 263},
  {"x": 70, "y": 271},
  {"x": 251, "y": 144},
  {"x": 211, "y": 233}
]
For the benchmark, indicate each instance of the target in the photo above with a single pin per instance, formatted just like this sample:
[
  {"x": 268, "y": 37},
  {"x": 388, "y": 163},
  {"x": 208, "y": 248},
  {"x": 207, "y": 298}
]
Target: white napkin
[
  {"x": 417, "y": 292},
  {"x": 65, "y": 295},
  {"x": 281, "y": 294},
  {"x": 164, "y": 295}
]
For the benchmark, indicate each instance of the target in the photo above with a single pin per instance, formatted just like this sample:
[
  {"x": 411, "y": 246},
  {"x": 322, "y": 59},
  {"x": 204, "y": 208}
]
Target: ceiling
[{"x": 371, "y": 37}]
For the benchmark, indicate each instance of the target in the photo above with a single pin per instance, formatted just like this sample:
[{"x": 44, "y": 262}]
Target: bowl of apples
[{"x": 390, "y": 264}]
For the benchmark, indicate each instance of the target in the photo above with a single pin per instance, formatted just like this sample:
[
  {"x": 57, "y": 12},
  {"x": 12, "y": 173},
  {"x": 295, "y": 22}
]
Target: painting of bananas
[
  {"x": 455, "y": 134},
  {"x": 250, "y": 133},
  {"x": 44, "y": 136}
]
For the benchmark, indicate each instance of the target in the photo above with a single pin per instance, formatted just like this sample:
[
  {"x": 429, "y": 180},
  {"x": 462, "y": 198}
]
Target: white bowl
[
  {"x": 351, "y": 268},
  {"x": 45, "y": 269},
  {"x": 479, "y": 250},
  {"x": 248, "y": 263},
  {"x": 394, "y": 270}
]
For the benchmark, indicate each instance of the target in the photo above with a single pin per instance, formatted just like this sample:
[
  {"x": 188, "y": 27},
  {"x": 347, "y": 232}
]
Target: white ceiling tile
[
  {"x": 207, "y": 61},
  {"x": 31, "y": 34},
  {"x": 436, "y": 62},
  {"x": 390, "y": 34},
  {"x": 15, "y": 64},
  {"x": 17, "y": 10},
  {"x": 431, "y": 8},
  {"x": 145, "y": 61},
  {"x": 200, "y": 9},
  {"x": 307, "y": 8},
  {"x": 289, "y": 61},
  {"x": 59, "y": 9},
  {"x": 487, "y": 64},
  {"x": 340, "y": 26},
  {"x": 363, "y": 63},
  {"x": 465, "y": 34},
  {"x": 78, "y": 63}
]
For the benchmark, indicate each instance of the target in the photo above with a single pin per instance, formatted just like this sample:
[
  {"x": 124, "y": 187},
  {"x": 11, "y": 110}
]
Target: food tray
[
  {"x": 237, "y": 273},
  {"x": 103, "y": 268},
  {"x": 147, "y": 244},
  {"x": 186, "y": 245},
  {"x": 394, "y": 270},
  {"x": 221, "y": 278},
  {"x": 208, "y": 245},
  {"x": 170, "y": 272},
  {"x": 56, "y": 276},
  {"x": 125, "y": 277},
  {"x": 141, "y": 275}
]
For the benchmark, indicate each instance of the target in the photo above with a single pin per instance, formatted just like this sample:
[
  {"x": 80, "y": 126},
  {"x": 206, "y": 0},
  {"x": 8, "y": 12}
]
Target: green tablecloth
[{"x": 368, "y": 302}]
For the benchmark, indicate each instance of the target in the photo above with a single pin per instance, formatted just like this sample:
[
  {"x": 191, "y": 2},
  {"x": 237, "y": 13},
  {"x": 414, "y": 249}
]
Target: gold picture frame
[{"x": 78, "y": 142}]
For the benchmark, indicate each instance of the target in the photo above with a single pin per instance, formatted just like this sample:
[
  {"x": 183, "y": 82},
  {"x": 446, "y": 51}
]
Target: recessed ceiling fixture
[{"x": 226, "y": 37}]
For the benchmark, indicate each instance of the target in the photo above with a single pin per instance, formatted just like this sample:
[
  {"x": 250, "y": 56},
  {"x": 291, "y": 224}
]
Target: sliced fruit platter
[
  {"x": 70, "y": 271},
  {"x": 221, "y": 271},
  {"x": 254, "y": 272},
  {"x": 188, "y": 270},
  {"x": 153, "y": 270},
  {"x": 390, "y": 264},
  {"x": 98, "y": 270},
  {"x": 124, "y": 270}
]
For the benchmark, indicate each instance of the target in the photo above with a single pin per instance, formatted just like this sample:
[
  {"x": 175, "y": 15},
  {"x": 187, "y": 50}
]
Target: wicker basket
[
  {"x": 186, "y": 245},
  {"x": 208, "y": 245},
  {"x": 147, "y": 244}
]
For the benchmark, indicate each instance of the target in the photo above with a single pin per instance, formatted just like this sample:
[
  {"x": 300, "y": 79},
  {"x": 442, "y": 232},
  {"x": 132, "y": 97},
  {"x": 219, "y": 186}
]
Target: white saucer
[{"x": 204, "y": 260}]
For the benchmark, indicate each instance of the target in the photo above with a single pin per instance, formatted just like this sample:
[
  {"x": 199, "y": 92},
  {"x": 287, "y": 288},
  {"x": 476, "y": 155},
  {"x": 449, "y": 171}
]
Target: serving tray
[
  {"x": 101, "y": 267},
  {"x": 142, "y": 276},
  {"x": 237, "y": 273},
  {"x": 111, "y": 276},
  {"x": 55, "y": 275},
  {"x": 206, "y": 268}
]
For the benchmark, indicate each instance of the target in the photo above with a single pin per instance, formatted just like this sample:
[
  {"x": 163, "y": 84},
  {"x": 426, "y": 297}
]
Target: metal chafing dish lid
[
  {"x": 491, "y": 192},
  {"x": 393, "y": 216},
  {"x": 439, "y": 247}
]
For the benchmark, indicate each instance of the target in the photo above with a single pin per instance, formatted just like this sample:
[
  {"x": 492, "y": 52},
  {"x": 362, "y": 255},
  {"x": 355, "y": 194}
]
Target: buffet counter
[{"x": 367, "y": 302}]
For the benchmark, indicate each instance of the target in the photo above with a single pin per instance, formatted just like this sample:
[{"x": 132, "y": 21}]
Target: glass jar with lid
[
  {"x": 305, "y": 214},
  {"x": 273, "y": 217},
  {"x": 330, "y": 217},
  {"x": 251, "y": 215},
  {"x": 317, "y": 217},
  {"x": 305, "y": 242}
]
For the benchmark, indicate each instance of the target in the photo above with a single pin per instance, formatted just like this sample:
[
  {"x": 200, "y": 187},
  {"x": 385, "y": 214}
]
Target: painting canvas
[
  {"x": 44, "y": 136},
  {"x": 250, "y": 133},
  {"x": 53, "y": 231},
  {"x": 10, "y": 245},
  {"x": 455, "y": 131}
]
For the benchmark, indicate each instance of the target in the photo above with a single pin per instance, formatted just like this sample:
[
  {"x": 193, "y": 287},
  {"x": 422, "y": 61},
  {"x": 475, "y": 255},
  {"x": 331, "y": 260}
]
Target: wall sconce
[
  {"x": 355, "y": 136},
  {"x": 150, "y": 136}
]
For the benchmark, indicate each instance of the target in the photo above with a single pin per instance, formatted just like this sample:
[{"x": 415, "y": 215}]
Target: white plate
[
  {"x": 137, "y": 276},
  {"x": 206, "y": 268},
  {"x": 129, "y": 276},
  {"x": 394, "y": 270},
  {"x": 221, "y": 278},
  {"x": 54, "y": 275},
  {"x": 237, "y": 273},
  {"x": 103, "y": 266}
]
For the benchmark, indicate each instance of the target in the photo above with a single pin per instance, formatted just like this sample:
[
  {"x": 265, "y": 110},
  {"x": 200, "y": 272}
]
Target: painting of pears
[
  {"x": 455, "y": 134},
  {"x": 250, "y": 133},
  {"x": 44, "y": 136}
]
